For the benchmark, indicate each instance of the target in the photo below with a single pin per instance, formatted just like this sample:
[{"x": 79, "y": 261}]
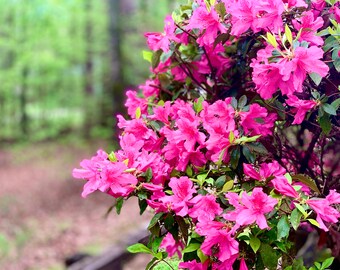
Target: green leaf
[
  {"x": 301, "y": 209},
  {"x": 147, "y": 175},
  {"x": 151, "y": 264},
  {"x": 156, "y": 241},
  {"x": 283, "y": 228},
  {"x": 307, "y": 181},
  {"x": 269, "y": 256},
  {"x": 242, "y": 102},
  {"x": 191, "y": 247},
  {"x": 336, "y": 104},
  {"x": 219, "y": 183},
  {"x": 220, "y": 9},
  {"x": 336, "y": 59},
  {"x": 235, "y": 157},
  {"x": 201, "y": 178},
  {"x": 231, "y": 136},
  {"x": 248, "y": 154},
  {"x": 316, "y": 78},
  {"x": 295, "y": 218},
  {"x": 328, "y": 108},
  {"x": 271, "y": 40},
  {"x": 138, "y": 113},
  {"x": 156, "y": 58},
  {"x": 228, "y": 186},
  {"x": 147, "y": 55},
  {"x": 255, "y": 243},
  {"x": 189, "y": 171},
  {"x": 198, "y": 105},
  {"x": 313, "y": 222},
  {"x": 328, "y": 262},
  {"x": 139, "y": 248},
  {"x": 201, "y": 256},
  {"x": 155, "y": 219},
  {"x": 142, "y": 206},
  {"x": 289, "y": 35},
  {"x": 258, "y": 148},
  {"x": 119, "y": 204},
  {"x": 298, "y": 264},
  {"x": 325, "y": 124},
  {"x": 112, "y": 157}
]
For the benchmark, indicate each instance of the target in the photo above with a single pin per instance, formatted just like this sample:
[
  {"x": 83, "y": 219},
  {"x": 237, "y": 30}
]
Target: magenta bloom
[
  {"x": 105, "y": 176},
  {"x": 282, "y": 185},
  {"x": 183, "y": 190},
  {"x": 227, "y": 246},
  {"x": 324, "y": 210},
  {"x": 243, "y": 265},
  {"x": 266, "y": 170},
  {"x": 207, "y": 23},
  {"x": 193, "y": 265},
  {"x": 301, "y": 107},
  {"x": 205, "y": 208},
  {"x": 250, "y": 209},
  {"x": 256, "y": 15},
  {"x": 257, "y": 121},
  {"x": 309, "y": 28},
  {"x": 172, "y": 246},
  {"x": 287, "y": 73}
]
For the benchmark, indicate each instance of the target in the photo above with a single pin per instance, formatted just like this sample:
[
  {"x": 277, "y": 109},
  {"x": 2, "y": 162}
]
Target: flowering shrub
[{"x": 233, "y": 141}]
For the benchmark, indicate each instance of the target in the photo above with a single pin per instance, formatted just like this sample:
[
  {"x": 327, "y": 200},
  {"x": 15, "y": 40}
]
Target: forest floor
[{"x": 43, "y": 218}]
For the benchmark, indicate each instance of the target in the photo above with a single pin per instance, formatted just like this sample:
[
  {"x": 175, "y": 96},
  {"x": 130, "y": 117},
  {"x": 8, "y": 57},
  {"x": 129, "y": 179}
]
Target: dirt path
[{"x": 43, "y": 219}]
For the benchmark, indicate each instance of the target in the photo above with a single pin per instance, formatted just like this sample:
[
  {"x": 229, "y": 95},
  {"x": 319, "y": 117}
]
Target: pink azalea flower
[
  {"x": 183, "y": 190},
  {"x": 92, "y": 170},
  {"x": 266, "y": 170},
  {"x": 317, "y": 6},
  {"x": 162, "y": 113},
  {"x": 336, "y": 11},
  {"x": 257, "y": 121},
  {"x": 172, "y": 246},
  {"x": 309, "y": 28},
  {"x": 130, "y": 148},
  {"x": 288, "y": 73},
  {"x": 243, "y": 265},
  {"x": 133, "y": 102},
  {"x": 208, "y": 24},
  {"x": 282, "y": 185},
  {"x": 138, "y": 128},
  {"x": 295, "y": 3},
  {"x": 150, "y": 88},
  {"x": 301, "y": 107},
  {"x": 194, "y": 265},
  {"x": 119, "y": 183},
  {"x": 208, "y": 226},
  {"x": 106, "y": 176},
  {"x": 256, "y": 15},
  {"x": 250, "y": 209},
  {"x": 324, "y": 210},
  {"x": 160, "y": 169},
  {"x": 222, "y": 245},
  {"x": 157, "y": 41},
  {"x": 205, "y": 208}
]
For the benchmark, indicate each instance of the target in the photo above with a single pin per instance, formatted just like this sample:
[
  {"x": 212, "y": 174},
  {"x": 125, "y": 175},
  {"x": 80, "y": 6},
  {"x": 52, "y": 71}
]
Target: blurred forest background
[
  {"x": 64, "y": 66},
  {"x": 64, "y": 63}
]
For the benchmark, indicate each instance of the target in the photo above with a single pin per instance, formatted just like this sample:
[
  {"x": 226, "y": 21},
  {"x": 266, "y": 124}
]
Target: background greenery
[{"x": 64, "y": 63}]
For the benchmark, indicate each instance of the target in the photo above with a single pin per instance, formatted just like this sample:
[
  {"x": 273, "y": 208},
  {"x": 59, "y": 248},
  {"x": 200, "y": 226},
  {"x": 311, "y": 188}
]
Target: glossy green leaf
[
  {"x": 283, "y": 228},
  {"x": 255, "y": 243},
  {"x": 139, "y": 248}
]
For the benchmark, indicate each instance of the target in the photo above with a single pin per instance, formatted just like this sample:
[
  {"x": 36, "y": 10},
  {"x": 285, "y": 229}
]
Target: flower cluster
[{"x": 233, "y": 141}]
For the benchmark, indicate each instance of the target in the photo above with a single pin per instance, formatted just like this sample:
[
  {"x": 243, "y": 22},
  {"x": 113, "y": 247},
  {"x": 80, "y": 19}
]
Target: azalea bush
[{"x": 233, "y": 141}]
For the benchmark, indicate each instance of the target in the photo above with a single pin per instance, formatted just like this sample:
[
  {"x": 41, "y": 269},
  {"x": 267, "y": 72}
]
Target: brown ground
[{"x": 43, "y": 218}]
